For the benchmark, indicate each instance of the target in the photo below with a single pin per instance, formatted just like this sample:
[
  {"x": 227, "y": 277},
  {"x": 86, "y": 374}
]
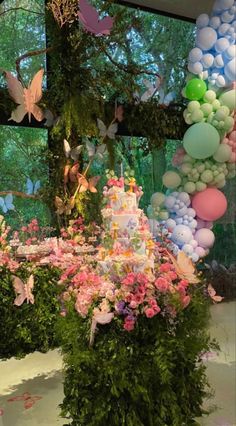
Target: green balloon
[
  {"x": 195, "y": 89},
  {"x": 201, "y": 140},
  {"x": 229, "y": 99}
]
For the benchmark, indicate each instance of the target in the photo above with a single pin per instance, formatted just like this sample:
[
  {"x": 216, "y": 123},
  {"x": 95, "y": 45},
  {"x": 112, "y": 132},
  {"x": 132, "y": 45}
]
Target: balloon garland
[{"x": 201, "y": 167}]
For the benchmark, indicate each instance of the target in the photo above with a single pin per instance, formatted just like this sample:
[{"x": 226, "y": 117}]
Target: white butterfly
[
  {"x": 149, "y": 93},
  {"x": 72, "y": 153},
  {"x": 98, "y": 151},
  {"x": 32, "y": 187},
  {"x": 7, "y": 203},
  {"x": 165, "y": 99},
  {"x": 107, "y": 132}
]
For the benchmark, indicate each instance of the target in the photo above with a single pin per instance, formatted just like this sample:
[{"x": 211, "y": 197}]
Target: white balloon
[
  {"x": 207, "y": 60},
  {"x": 202, "y": 20},
  {"x": 195, "y": 54},
  {"x": 206, "y": 38}
]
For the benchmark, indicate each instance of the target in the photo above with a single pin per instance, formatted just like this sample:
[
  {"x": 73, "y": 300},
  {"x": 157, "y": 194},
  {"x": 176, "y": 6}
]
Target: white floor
[{"x": 39, "y": 375}]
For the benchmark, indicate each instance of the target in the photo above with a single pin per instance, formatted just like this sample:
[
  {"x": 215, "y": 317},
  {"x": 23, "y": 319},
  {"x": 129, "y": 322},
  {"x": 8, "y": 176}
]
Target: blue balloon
[
  {"x": 223, "y": 29},
  {"x": 181, "y": 235},
  {"x": 222, "y": 44},
  {"x": 207, "y": 60},
  {"x": 230, "y": 70},
  {"x": 202, "y": 20},
  {"x": 218, "y": 61},
  {"x": 215, "y": 22},
  {"x": 195, "y": 54}
]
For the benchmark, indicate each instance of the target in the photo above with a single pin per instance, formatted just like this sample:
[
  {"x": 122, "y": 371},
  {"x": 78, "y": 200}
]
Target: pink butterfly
[
  {"x": 213, "y": 295},
  {"x": 29, "y": 400},
  {"x": 26, "y": 97},
  {"x": 90, "y": 20},
  {"x": 184, "y": 267},
  {"x": 23, "y": 291},
  {"x": 88, "y": 184},
  {"x": 99, "y": 318}
]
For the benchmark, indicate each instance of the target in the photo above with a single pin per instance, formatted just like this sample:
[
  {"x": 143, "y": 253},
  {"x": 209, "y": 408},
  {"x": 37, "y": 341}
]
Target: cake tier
[
  {"x": 125, "y": 222},
  {"x": 124, "y": 202}
]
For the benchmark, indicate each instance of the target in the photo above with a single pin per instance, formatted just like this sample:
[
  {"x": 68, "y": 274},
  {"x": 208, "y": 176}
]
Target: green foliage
[
  {"x": 151, "y": 376},
  {"x": 28, "y": 328}
]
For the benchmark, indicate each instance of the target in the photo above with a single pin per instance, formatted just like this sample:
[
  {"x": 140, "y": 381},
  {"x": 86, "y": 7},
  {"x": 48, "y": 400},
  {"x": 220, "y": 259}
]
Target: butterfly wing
[
  {"x": 88, "y": 16},
  {"x": 3, "y": 205},
  {"x": 213, "y": 295},
  {"x": 18, "y": 114},
  {"x": 101, "y": 150},
  {"x": 111, "y": 131},
  {"x": 104, "y": 26},
  {"x": 37, "y": 113},
  {"x": 149, "y": 92},
  {"x": 66, "y": 148},
  {"x": 28, "y": 289},
  {"x": 73, "y": 171},
  {"x": 35, "y": 88},
  {"x": 184, "y": 267},
  {"x": 75, "y": 152},
  {"x": 92, "y": 183},
  {"x": 9, "y": 202},
  {"x": 90, "y": 149},
  {"x": 83, "y": 183},
  {"x": 15, "y": 88},
  {"x": 59, "y": 205},
  {"x": 102, "y": 128},
  {"x": 29, "y": 186},
  {"x": 37, "y": 186},
  {"x": 19, "y": 288}
]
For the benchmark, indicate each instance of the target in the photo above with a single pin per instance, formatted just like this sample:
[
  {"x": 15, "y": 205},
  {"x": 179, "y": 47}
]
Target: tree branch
[
  {"x": 19, "y": 194},
  {"x": 12, "y": 9},
  {"x": 28, "y": 55}
]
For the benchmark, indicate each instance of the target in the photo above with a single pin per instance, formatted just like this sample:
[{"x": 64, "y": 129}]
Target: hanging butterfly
[
  {"x": 165, "y": 99},
  {"x": 107, "y": 132},
  {"x": 28, "y": 399},
  {"x": 27, "y": 98},
  {"x": 6, "y": 203},
  {"x": 23, "y": 290},
  {"x": 51, "y": 120},
  {"x": 213, "y": 295},
  {"x": 94, "y": 151},
  {"x": 99, "y": 318},
  {"x": 149, "y": 93},
  {"x": 72, "y": 152},
  {"x": 88, "y": 184},
  {"x": 91, "y": 21},
  {"x": 184, "y": 267},
  {"x": 32, "y": 188},
  {"x": 64, "y": 207}
]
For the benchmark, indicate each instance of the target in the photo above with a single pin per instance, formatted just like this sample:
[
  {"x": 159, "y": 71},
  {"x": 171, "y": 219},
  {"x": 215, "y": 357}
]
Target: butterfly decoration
[
  {"x": 91, "y": 21},
  {"x": 107, "y": 132},
  {"x": 165, "y": 99},
  {"x": 51, "y": 120},
  {"x": 23, "y": 290},
  {"x": 26, "y": 98},
  {"x": 184, "y": 267},
  {"x": 70, "y": 173},
  {"x": 32, "y": 188},
  {"x": 149, "y": 93},
  {"x": 96, "y": 151},
  {"x": 72, "y": 152},
  {"x": 213, "y": 295},
  {"x": 27, "y": 398},
  {"x": 6, "y": 203},
  {"x": 99, "y": 318},
  {"x": 89, "y": 184},
  {"x": 64, "y": 207}
]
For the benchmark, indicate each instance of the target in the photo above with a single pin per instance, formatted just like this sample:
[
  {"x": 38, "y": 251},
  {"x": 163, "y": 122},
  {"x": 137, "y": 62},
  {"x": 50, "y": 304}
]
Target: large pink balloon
[{"x": 209, "y": 204}]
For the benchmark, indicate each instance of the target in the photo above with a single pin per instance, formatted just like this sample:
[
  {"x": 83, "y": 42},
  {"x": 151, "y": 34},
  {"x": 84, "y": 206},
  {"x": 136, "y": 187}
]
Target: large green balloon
[
  {"x": 201, "y": 140},
  {"x": 195, "y": 89}
]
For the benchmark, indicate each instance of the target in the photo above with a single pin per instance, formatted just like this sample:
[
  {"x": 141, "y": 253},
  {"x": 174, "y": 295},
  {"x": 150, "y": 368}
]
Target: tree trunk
[{"x": 158, "y": 167}]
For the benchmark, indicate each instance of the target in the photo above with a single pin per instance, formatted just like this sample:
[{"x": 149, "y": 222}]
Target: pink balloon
[
  {"x": 209, "y": 204},
  {"x": 204, "y": 223},
  {"x": 200, "y": 251},
  {"x": 205, "y": 238}
]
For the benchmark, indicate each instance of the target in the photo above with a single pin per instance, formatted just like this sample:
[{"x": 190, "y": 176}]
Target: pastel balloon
[
  {"x": 181, "y": 235},
  {"x": 170, "y": 224},
  {"x": 201, "y": 140},
  {"x": 229, "y": 99},
  {"x": 171, "y": 179},
  {"x": 210, "y": 204},
  {"x": 195, "y": 54},
  {"x": 157, "y": 199},
  {"x": 205, "y": 238},
  {"x": 223, "y": 153},
  {"x": 200, "y": 251},
  {"x": 221, "y": 44},
  {"x": 188, "y": 249},
  {"x": 230, "y": 70},
  {"x": 206, "y": 38},
  {"x": 195, "y": 89},
  {"x": 202, "y": 20}
]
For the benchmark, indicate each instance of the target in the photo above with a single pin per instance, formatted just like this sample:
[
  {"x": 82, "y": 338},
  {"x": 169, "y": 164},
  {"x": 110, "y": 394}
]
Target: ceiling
[{"x": 183, "y": 9}]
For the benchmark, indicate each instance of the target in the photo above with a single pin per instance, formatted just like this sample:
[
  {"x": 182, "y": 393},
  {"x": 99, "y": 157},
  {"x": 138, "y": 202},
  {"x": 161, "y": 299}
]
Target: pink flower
[
  {"x": 185, "y": 301},
  {"x": 24, "y": 229},
  {"x": 130, "y": 279},
  {"x": 165, "y": 267},
  {"x": 172, "y": 275},
  {"x": 129, "y": 324},
  {"x": 149, "y": 312},
  {"x": 162, "y": 284}
]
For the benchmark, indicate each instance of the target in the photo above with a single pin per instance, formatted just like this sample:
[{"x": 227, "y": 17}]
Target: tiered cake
[{"x": 127, "y": 238}]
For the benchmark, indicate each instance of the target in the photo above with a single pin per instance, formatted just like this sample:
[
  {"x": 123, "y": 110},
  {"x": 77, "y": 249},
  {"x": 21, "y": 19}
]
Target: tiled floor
[{"x": 39, "y": 375}]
